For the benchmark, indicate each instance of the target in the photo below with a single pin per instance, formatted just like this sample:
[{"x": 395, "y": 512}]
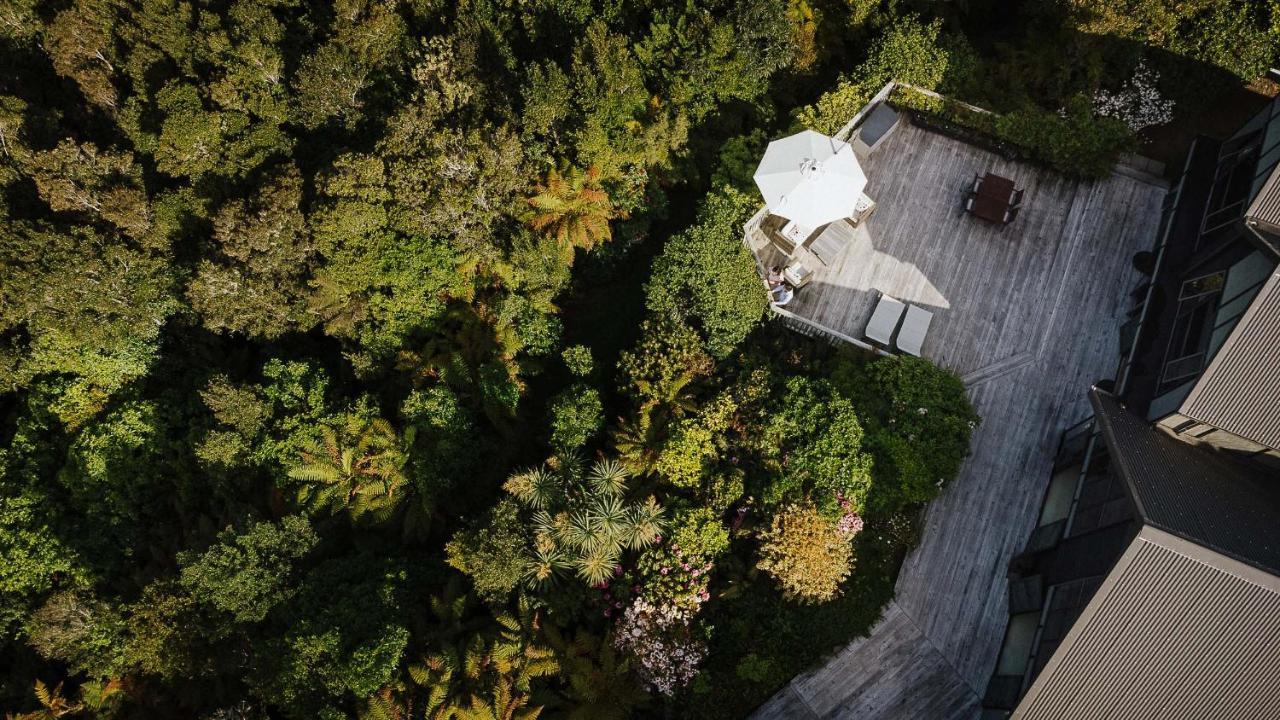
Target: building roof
[
  {"x": 1194, "y": 492},
  {"x": 1175, "y": 631},
  {"x": 1263, "y": 214},
  {"x": 1240, "y": 390}
]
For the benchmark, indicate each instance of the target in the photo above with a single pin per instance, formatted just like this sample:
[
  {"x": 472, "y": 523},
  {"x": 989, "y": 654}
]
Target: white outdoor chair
[
  {"x": 796, "y": 233},
  {"x": 914, "y": 328},
  {"x": 884, "y": 320}
]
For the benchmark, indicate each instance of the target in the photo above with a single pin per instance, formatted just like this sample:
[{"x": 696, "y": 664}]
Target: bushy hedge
[
  {"x": 919, "y": 423},
  {"x": 908, "y": 52},
  {"x": 706, "y": 276},
  {"x": 576, "y": 415},
  {"x": 1074, "y": 142}
]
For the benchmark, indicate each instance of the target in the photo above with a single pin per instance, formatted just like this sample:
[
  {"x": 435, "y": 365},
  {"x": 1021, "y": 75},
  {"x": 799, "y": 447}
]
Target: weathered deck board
[{"x": 1029, "y": 315}]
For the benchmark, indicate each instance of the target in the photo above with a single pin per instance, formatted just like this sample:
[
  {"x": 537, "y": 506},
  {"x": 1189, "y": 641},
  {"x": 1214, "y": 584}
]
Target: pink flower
[
  {"x": 608, "y": 612},
  {"x": 684, "y": 566},
  {"x": 617, "y": 570},
  {"x": 696, "y": 571},
  {"x": 663, "y": 571}
]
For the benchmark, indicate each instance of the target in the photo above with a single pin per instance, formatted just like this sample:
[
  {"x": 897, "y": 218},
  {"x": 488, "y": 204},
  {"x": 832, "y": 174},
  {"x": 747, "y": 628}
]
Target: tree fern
[
  {"x": 357, "y": 464},
  {"x": 572, "y": 208},
  {"x": 386, "y": 705}
]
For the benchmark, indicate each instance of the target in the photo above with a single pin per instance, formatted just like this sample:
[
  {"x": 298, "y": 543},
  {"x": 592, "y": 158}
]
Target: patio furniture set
[
  {"x": 993, "y": 198},
  {"x": 812, "y": 180}
]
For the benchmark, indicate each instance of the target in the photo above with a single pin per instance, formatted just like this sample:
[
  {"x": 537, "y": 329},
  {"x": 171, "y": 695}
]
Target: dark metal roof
[
  {"x": 1192, "y": 491},
  {"x": 1240, "y": 390},
  {"x": 1175, "y": 631}
]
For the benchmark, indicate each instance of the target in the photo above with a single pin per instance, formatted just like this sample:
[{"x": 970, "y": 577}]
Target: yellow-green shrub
[{"x": 806, "y": 554}]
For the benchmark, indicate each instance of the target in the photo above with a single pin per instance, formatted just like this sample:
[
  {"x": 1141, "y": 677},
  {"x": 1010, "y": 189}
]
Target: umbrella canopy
[{"x": 810, "y": 178}]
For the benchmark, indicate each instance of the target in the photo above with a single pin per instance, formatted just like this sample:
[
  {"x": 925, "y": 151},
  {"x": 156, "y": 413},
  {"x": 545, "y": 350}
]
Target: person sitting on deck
[
  {"x": 774, "y": 278},
  {"x": 782, "y": 294}
]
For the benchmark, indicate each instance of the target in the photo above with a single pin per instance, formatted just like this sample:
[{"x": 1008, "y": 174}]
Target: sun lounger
[
  {"x": 884, "y": 319},
  {"x": 915, "y": 325}
]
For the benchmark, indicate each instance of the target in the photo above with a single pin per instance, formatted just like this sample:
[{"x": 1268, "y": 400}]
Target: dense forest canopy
[{"x": 401, "y": 358}]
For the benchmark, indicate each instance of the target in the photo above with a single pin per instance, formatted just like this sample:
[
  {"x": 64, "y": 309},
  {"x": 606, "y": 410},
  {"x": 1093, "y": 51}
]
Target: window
[
  {"x": 1018, "y": 637},
  {"x": 1203, "y": 285},
  {"x": 1231, "y": 189},
  {"x": 1061, "y": 493},
  {"x": 1189, "y": 339}
]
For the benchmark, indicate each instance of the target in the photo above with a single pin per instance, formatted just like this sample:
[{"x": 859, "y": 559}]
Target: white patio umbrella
[{"x": 810, "y": 178}]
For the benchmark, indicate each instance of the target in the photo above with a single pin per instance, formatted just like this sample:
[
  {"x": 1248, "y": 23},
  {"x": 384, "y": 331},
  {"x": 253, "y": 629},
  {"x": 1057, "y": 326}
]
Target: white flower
[{"x": 1138, "y": 102}]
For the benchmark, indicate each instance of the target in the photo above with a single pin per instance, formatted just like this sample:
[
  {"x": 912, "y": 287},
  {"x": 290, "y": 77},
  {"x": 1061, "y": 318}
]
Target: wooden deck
[{"x": 1028, "y": 315}]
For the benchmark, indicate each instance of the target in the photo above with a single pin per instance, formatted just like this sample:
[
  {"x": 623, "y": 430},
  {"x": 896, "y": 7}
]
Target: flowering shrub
[
  {"x": 850, "y": 522},
  {"x": 664, "y": 575},
  {"x": 1138, "y": 102},
  {"x": 806, "y": 553},
  {"x": 671, "y": 577},
  {"x": 661, "y": 641}
]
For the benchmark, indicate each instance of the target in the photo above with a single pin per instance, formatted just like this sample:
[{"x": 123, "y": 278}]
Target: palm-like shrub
[
  {"x": 486, "y": 675},
  {"x": 583, "y": 522},
  {"x": 572, "y": 208},
  {"x": 96, "y": 696},
  {"x": 597, "y": 677},
  {"x": 660, "y": 373},
  {"x": 357, "y": 464}
]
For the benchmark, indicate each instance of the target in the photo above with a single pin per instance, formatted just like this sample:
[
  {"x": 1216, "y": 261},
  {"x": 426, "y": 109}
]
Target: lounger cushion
[
  {"x": 884, "y": 319},
  {"x": 914, "y": 328}
]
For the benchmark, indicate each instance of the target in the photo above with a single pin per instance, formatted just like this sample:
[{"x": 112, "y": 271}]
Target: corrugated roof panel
[
  {"x": 1265, "y": 208},
  {"x": 1240, "y": 390},
  {"x": 1174, "y": 632}
]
